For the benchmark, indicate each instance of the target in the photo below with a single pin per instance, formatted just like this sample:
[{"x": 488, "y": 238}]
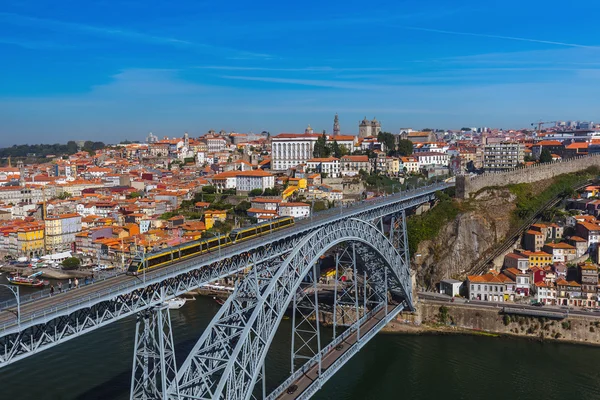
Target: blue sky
[{"x": 111, "y": 70}]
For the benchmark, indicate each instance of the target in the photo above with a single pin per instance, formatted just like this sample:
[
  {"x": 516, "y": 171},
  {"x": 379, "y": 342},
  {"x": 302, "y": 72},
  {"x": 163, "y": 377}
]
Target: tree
[
  {"x": 321, "y": 149},
  {"x": 91, "y": 147},
  {"x": 272, "y": 192},
  {"x": 546, "y": 156},
  {"x": 255, "y": 192},
  {"x": 334, "y": 148},
  {"x": 388, "y": 140},
  {"x": 71, "y": 263},
  {"x": 405, "y": 147},
  {"x": 71, "y": 147},
  {"x": 208, "y": 189},
  {"x": 242, "y": 207},
  {"x": 319, "y": 206},
  {"x": 64, "y": 196}
]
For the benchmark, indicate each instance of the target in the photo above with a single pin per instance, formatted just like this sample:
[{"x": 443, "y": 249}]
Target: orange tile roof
[
  {"x": 258, "y": 172},
  {"x": 549, "y": 143},
  {"x": 328, "y": 159},
  {"x": 578, "y": 145},
  {"x": 560, "y": 245},
  {"x": 490, "y": 278},
  {"x": 589, "y": 226},
  {"x": 537, "y": 233},
  {"x": 577, "y": 239},
  {"x": 261, "y": 211},
  {"x": 355, "y": 158}
]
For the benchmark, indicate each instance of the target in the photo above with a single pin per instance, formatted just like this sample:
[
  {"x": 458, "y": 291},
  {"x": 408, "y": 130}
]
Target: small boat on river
[
  {"x": 30, "y": 281},
  {"x": 176, "y": 303}
]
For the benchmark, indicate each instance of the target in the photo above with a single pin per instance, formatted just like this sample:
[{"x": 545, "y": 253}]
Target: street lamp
[{"x": 15, "y": 291}]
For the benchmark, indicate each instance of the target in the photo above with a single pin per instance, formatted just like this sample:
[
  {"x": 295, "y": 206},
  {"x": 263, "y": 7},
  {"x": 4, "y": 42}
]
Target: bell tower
[{"x": 336, "y": 125}]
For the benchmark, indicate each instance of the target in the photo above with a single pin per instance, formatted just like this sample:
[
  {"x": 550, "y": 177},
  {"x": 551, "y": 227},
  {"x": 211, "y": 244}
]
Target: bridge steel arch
[{"x": 229, "y": 357}]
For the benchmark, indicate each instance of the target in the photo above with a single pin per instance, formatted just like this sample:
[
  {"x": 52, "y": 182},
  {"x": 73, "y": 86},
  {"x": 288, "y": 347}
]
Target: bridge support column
[
  {"x": 345, "y": 306},
  {"x": 399, "y": 236},
  {"x": 306, "y": 334},
  {"x": 154, "y": 369}
]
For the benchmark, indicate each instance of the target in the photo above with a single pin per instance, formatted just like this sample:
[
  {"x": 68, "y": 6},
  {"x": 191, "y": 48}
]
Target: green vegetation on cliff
[
  {"x": 427, "y": 226},
  {"x": 530, "y": 198}
]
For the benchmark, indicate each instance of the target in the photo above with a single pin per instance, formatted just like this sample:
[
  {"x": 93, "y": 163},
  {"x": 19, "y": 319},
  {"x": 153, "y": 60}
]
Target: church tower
[
  {"x": 186, "y": 140},
  {"x": 336, "y": 125},
  {"x": 375, "y": 127},
  {"x": 364, "y": 128}
]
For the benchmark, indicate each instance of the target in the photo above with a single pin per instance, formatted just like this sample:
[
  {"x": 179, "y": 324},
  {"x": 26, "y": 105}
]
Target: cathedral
[{"x": 368, "y": 128}]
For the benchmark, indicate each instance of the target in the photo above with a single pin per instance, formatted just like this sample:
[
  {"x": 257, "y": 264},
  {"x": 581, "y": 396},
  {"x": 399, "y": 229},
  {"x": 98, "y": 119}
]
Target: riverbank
[{"x": 436, "y": 318}]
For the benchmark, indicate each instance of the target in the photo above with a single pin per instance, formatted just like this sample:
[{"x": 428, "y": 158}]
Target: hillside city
[{"x": 104, "y": 204}]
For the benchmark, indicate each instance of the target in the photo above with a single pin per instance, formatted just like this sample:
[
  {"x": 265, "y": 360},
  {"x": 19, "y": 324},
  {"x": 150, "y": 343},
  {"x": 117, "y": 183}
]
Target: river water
[{"x": 391, "y": 366}]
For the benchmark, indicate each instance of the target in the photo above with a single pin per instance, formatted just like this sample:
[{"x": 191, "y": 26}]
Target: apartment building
[{"x": 502, "y": 156}]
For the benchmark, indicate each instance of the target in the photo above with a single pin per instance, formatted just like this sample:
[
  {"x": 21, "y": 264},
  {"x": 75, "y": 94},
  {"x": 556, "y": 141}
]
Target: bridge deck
[
  {"x": 36, "y": 311},
  {"x": 312, "y": 375}
]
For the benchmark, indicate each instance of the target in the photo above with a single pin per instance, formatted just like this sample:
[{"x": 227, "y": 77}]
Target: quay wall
[
  {"x": 578, "y": 329},
  {"x": 466, "y": 186}
]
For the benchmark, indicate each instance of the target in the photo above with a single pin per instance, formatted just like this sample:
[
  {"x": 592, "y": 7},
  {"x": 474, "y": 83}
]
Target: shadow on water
[{"x": 111, "y": 389}]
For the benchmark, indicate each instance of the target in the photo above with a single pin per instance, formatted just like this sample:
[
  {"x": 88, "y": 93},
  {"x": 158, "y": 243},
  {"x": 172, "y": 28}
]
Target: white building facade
[
  {"x": 247, "y": 181},
  {"x": 290, "y": 149}
]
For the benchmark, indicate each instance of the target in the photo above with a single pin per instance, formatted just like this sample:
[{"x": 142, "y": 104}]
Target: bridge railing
[
  {"x": 44, "y": 293},
  {"x": 325, "y": 217}
]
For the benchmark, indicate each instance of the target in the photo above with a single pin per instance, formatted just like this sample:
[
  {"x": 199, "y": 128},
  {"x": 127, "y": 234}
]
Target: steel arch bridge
[
  {"x": 228, "y": 360},
  {"x": 229, "y": 357}
]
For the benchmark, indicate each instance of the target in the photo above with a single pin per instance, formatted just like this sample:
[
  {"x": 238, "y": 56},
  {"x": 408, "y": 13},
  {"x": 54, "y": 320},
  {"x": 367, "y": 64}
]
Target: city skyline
[{"x": 118, "y": 71}]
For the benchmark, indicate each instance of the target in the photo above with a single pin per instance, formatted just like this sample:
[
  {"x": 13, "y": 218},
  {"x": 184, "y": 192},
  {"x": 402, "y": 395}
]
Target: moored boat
[
  {"x": 219, "y": 301},
  {"x": 176, "y": 303},
  {"x": 30, "y": 281}
]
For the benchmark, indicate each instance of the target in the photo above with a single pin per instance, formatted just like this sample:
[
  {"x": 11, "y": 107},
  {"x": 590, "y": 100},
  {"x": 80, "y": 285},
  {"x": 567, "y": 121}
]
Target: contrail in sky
[{"x": 500, "y": 37}]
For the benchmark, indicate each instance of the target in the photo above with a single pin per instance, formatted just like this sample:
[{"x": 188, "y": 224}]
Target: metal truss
[
  {"x": 39, "y": 326},
  {"x": 229, "y": 357},
  {"x": 154, "y": 369},
  {"x": 306, "y": 336},
  {"x": 88, "y": 317},
  {"x": 345, "y": 292}
]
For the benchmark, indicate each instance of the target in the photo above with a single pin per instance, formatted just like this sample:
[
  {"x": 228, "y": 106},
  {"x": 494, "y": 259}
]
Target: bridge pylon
[{"x": 154, "y": 369}]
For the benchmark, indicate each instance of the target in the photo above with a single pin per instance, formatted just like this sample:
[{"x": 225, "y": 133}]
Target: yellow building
[
  {"x": 30, "y": 240},
  {"x": 538, "y": 258},
  {"x": 392, "y": 165},
  {"x": 211, "y": 216}
]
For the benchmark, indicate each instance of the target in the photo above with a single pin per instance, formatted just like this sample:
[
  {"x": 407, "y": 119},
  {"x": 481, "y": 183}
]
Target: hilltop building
[{"x": 368, "y": 128}]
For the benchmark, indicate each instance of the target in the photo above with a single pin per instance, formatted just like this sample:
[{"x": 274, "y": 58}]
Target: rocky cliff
[{"x": 484, "y": 222}]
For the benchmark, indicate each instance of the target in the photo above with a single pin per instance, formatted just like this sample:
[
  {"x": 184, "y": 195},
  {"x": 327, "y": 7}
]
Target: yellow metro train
[{"x": 195, "y": 248}]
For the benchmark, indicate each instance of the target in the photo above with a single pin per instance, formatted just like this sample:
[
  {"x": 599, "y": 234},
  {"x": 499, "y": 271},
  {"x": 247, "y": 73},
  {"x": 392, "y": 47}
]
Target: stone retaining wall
[{"x": 465, "y": 185}]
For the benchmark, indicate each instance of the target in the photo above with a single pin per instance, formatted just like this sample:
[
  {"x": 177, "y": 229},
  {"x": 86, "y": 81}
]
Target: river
[{"x": 391, "y": 366}]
